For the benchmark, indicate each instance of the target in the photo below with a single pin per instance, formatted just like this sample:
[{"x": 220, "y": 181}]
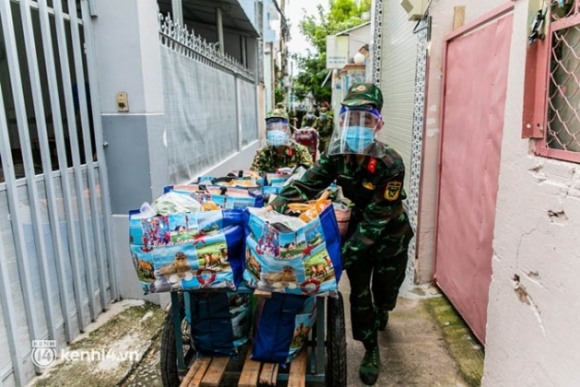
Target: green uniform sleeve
[
  {"x": 316, "y": 123},
  {"x": 314, "y": 180},
  {"x": 259, "y": 163},
  {"x": 305, "y": 157},
  {"x": 385, "y": 208}
]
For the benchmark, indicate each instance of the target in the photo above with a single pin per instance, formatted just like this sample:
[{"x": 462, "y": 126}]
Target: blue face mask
[
  {"x": 358, "y": 138},
  {"x": 277, "y": 137},
  {"x": 310, "y": 115}
]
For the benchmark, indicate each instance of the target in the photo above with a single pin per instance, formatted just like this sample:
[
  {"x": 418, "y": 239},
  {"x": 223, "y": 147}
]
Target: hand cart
[{"x": 321, "y": 360}]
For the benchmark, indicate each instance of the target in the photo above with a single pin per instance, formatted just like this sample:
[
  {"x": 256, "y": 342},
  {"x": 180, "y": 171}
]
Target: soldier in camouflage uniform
[
  {"x": 280, "y": 151},
  {"x": 309, "y": 119},
  {"x": 324, "y": 128},
  {"x": 374, "y": 252}
]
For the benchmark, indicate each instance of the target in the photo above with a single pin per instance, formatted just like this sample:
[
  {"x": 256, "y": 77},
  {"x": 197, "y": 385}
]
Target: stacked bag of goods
[
  {"x": 213, "y": 235},
  {"x": 221, "y": 196},
  {"x": 219, "y": 321},
  {"x": 293, "y": 255},
  {"x": 281, "y": 326},
  {"x": 192, "y": 239},
  {"x": 239, "y": 179},
  {"x": 179, "y": 243},
  {"x": 274, "y": 182}
]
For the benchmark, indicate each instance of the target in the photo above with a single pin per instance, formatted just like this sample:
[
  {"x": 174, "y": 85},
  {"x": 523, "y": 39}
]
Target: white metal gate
[{"x": 56, "y": 273}]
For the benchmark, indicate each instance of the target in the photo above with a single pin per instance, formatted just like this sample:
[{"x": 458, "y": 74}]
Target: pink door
[{"x": 474, "y": 94}]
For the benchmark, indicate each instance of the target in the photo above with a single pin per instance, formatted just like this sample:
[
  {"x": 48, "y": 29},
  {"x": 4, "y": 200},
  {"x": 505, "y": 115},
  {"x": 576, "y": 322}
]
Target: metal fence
[
  {"x": 210, "y": 102},
  {"x": 56, "y": 274},
  {"x": 563, "y": 121}
]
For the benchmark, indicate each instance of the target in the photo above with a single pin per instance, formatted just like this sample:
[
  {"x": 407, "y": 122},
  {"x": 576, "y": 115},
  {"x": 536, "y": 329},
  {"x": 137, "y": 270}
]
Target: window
[{"x": 552, "y": 88}]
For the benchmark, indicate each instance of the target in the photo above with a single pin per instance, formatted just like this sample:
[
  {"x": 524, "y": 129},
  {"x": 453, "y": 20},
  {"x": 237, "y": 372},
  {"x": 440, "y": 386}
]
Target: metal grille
[
  {"x": 56, "y": 268},
  {"x": 563, "y": 120},
  {"x": 194, "y": 46}
]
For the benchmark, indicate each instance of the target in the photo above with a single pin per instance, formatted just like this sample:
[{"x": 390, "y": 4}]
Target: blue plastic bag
[
  {"x": 225, "y": 197},
  {"x": 196, "y": 250},
  {"x": 220, "y": 322},
  {"x": 281, "y": 327},
  {"x": 304, "y": 262}
]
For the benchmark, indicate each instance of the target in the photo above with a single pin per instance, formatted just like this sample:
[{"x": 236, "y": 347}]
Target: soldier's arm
[
  {"x": 385, "y": 207},
  {"x": 258, "y": 164},
  {"x": 314, "y": 180}
]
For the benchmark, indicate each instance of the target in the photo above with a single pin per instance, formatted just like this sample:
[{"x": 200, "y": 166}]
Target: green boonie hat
[
  {"x": 277, "y": 113},
  {"x": 280, "y": 105},
  {"x": 360, "y": 94}
]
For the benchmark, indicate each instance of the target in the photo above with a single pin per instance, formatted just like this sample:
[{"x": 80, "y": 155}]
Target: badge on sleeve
[{"x": 393, "y": 190}]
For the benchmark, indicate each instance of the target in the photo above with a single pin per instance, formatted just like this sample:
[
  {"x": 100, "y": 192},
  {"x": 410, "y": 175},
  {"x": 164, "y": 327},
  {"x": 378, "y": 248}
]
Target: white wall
[
  {"x": 442, "y": 24},
  {"x": 532, "y": 330},
  {"x": 358, "y": 38},
  {"x": 398, "y": 60}
]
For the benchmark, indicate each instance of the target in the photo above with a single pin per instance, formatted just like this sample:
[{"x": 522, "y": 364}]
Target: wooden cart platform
[{"x": 209, "y": 372}]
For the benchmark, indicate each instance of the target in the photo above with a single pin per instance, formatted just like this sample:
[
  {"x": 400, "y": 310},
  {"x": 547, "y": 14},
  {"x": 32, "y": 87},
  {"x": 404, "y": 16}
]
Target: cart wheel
[
  {"x": 335, "y": 343},
  {"x": 168, "y": 352}
]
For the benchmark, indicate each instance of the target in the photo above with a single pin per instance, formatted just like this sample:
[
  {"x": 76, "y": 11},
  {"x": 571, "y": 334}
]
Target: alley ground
[{"x": 425, "y": 344}]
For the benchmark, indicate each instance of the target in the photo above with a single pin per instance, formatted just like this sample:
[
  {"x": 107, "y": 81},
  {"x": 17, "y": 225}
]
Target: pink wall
[
  {"x": 442, "y": 23},
  {"x": 476, "y": 68}
]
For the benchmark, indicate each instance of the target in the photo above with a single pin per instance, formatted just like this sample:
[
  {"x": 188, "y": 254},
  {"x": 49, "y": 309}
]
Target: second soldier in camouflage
[{"x": 280, "y": 151}]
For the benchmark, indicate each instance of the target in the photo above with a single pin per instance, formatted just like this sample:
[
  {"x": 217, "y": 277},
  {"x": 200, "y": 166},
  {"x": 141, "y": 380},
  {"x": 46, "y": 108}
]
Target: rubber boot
[
  {"x": 369, "y": 367},
  {"x": 383, "y": 319}
]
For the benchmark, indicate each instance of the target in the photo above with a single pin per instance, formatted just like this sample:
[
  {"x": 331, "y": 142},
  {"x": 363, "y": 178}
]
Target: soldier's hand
[{"x": 268, "y": 208}]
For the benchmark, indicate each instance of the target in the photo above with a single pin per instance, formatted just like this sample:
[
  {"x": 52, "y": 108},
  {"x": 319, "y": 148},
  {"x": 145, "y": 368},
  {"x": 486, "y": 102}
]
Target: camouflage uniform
[
  {"x": 268, "y": 159},
  {"x": 374, "y": 252},
  {"x": 311, "y": 122},
  {"x": 324, "y": 127},
  {"x": 379, "y": 230}
]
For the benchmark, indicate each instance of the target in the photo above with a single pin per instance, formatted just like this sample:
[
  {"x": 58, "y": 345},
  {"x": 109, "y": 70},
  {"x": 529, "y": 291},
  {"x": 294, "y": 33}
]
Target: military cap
[
  {"x": 280, "y": 105},
  {"x": 361, "y": 94},
  {"x": 277, "y": 113}
]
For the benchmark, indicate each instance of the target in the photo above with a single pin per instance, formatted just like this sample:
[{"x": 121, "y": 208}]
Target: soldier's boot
[
  {"x": 369, "y": 367},
  {"x": 383, "y": 319}
]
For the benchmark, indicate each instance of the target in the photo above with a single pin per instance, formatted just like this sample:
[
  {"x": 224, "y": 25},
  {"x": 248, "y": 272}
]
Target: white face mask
[{"x": 277, "y": 137}]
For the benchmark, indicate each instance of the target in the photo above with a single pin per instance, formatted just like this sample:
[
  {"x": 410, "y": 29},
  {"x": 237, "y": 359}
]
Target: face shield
[
  {"x": 355, "y": 133},
  {"x": 277, "y": 132}
]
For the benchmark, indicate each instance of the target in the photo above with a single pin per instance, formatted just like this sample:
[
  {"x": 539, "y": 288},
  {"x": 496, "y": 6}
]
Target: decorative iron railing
[
  {"x": 563, "y": 121},
  {"x": 193, "y": 46}
]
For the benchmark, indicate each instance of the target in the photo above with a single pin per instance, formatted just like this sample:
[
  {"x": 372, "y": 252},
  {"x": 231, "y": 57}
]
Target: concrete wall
[
  {"x": 136, "y": 153},
  {"x": 442, "y": 24},
  {"x": 131, "y": 65},
  {"x": 532, "y": 325}
]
